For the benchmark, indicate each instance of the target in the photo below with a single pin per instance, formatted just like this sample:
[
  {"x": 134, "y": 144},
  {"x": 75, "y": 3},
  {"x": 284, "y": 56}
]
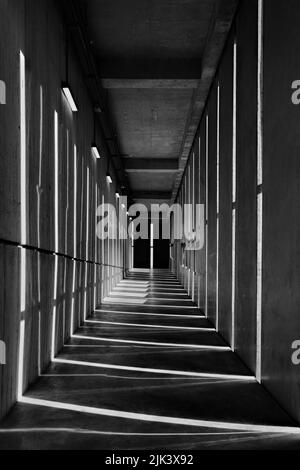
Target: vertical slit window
[
  {"x": 218, "y": 208},
  {"x": 259, "y": 189},
  {"x": 234, "y": 195},
  {"x": 75, "y": 202},
  {"x": 199, "y": 195},
  {"x": 23, "y": 205},
  {"x": 56, "y": 189},
  {"x": 206, "y": 217}
]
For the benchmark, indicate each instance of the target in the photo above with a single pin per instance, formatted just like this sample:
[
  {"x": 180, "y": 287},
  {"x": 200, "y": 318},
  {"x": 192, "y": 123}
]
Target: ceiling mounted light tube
[
  {"x": 95, "y": 151},
  {"x": 69, "y": 97},
  {"x": 108, "y": 178},
  {"x": 117, "y": 195}
]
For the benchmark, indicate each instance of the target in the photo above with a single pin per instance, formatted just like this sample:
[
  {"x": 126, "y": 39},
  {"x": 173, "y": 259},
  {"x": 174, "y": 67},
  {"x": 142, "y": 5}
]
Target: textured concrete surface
[
  {"x": 226, "y": 131},
  {"x": 281, "y": 208},
  {"x": 246, "y": 174},
  {"x": 157, "y": 62},
  {"x": 84, "y": 399}
]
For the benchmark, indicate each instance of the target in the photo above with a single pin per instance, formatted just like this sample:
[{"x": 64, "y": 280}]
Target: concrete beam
[
  {"x": 144, "y": 83},
  {"x": 151, "y": 195},
  {"x": 215, "y": 44},
  {"x": 167, "y": 69},
  {"x": 137, "y": 165}
]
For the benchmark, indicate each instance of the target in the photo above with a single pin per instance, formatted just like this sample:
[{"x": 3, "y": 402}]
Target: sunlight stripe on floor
[{"x": 162, "y": 419}]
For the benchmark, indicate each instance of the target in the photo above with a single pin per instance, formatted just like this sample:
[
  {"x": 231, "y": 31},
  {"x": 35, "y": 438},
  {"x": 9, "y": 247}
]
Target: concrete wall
[
  {"x": 36, "y": 30},
  {"x": 201, "y": 183},
  {"x": 225, "y": 211},
  {"x": 246, "y": 183},
  {"x": 239, "y": 314},
  {"x": 281, "y": 206},
  {"x": 212, "y": 205}
]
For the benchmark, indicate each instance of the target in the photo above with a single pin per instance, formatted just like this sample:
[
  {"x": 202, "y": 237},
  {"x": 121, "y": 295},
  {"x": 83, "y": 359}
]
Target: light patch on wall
[
  {"x": 234, "y": 196},
  {"x": 218, "y": 208},
  {"x": 75, "y": 202},
  {"x": 73, "y": 300},
  {"x": 151, "y": 246},
  {"x": 259, "y": 191},
  {"x": 199, "y": 186},
  {"x": 87, "y": 213},
  {"x": 39, "y": 188},
  {"x": 206, "y": 219},
  {"x": 96, "y": 247},
  {"x": 2, "y": 92},
  {"x": 85, "y": 290},
  {"x": 54, "y": 310},
  {"x": 23, "y": 153},
  {"x": 23, "y": 206},
  {"x": 68, "y": 190},
  {"x": 2, "y": 353},
  {"x": 102, "y": 255},
  {"x": 56, "y": 182},
  {"x": 21, "y": 361},
  {"x": 23, "y": 255},
  {"x": 87, "y": 239},
  {"x": 39, "y": 314},
  {"x": 39, "y": 193}
]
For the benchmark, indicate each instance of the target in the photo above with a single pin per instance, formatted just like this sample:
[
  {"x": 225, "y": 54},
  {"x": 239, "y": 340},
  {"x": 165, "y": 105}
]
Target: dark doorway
[
  {"x": 161, "y": 254},
  {"x": 142, "y": 253}
]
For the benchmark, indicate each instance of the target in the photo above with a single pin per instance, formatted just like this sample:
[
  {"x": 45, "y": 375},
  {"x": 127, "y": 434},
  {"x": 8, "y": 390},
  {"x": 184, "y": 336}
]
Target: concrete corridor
[
  {"x": 150, "y": 224},
  {"x": 147, "y": 371}
]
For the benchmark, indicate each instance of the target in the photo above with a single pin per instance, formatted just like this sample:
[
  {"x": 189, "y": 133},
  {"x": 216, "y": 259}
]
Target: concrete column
[
  {"x": 281, "y": 204},
  {"x": 246, "y": 183},
  {"x": 202, "y": 184},
  {"x": 212, "y": 208},
  {"x": 225, "y": 218}
]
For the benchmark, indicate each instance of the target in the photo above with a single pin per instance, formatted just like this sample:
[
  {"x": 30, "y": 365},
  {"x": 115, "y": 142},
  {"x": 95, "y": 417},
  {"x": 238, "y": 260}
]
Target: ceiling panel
[
  {"x": 150, "y": 122},
  {"x": 156, "y": 28},
  {"x": 149, "y": 56}
]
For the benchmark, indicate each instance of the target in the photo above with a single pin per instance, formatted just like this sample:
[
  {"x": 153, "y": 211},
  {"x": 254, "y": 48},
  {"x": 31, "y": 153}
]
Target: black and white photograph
[{"x": 150, "y": 228}]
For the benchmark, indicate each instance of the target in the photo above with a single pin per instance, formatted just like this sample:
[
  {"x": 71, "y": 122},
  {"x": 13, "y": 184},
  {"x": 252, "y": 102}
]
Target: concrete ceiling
[{"x": 149, "y": 55}]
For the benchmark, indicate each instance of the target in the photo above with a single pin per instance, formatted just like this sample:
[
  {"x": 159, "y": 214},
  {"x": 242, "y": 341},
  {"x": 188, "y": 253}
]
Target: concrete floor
[{"x": 146, "y": 373}]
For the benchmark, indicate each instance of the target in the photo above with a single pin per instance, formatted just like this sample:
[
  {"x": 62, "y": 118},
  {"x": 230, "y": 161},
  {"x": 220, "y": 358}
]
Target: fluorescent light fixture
[
  {"x": 95, "y": 151},
  {"x": 117, "y": 195},
  {"x": 108, "y": 178},
  {"x": 68, "y": 94}
]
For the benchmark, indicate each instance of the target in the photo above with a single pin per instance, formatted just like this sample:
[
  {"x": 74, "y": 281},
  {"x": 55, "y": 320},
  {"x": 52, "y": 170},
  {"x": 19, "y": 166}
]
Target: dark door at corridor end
[
  {"x": 152, "y": 253},
  {"x": 142, "y": 253}
]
